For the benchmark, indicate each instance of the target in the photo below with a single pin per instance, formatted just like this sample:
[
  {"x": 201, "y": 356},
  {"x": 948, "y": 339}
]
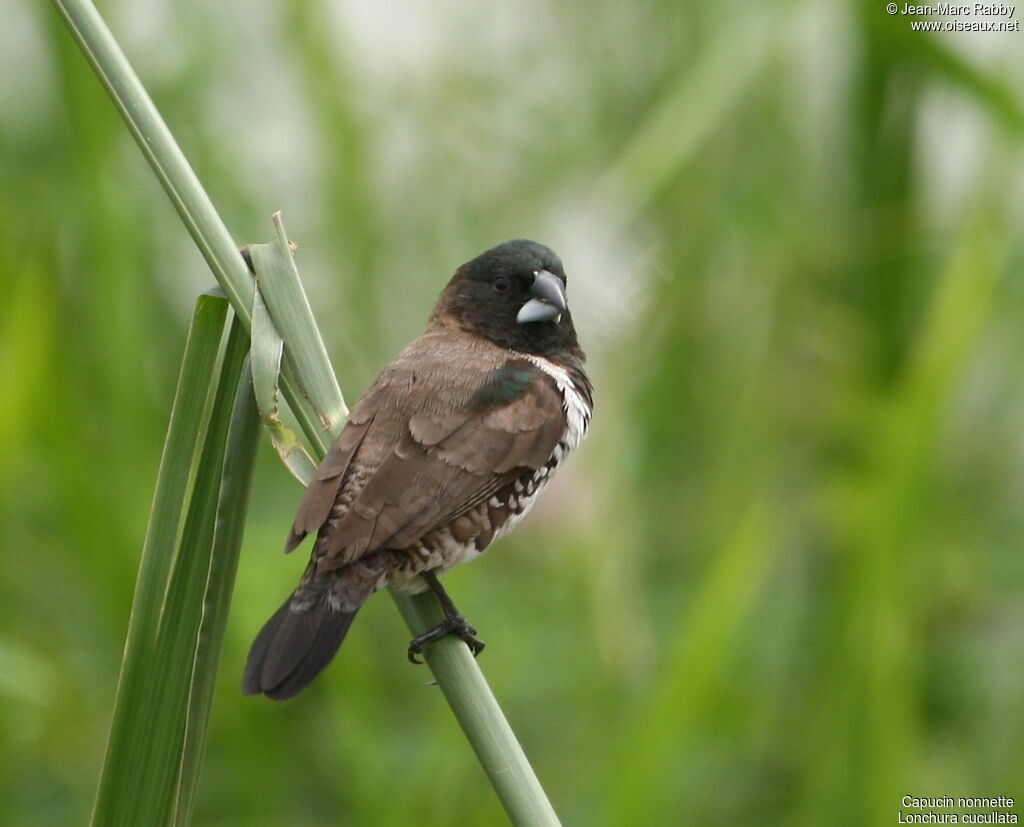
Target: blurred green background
[{"x": 781, "y": 583}]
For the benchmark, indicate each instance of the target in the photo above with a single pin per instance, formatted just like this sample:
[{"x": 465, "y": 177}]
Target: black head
[{"x": 514, "y": 295}]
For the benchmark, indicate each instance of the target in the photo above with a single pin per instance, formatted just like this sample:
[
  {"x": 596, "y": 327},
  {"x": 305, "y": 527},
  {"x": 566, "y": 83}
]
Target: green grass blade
[
  {"x": 719, "y": 616},
  {"x": 131, "y": 728},
  {"x": 693, "y": 109},
  {"x": 293, "y": 316},
  {"x": 239, "y": 458},
  {"x": 154, "y": 767},
  {"x": 992, "y": 90},
  {"x": 267, "y": 348},
  {"x": 182, "y": 612}
]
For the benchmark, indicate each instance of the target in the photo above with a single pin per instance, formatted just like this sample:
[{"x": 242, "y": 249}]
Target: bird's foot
[{"x": 451, "y": 625}]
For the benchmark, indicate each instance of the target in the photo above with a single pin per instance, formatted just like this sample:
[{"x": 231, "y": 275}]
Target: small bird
[{"x": 443, "y": 454}]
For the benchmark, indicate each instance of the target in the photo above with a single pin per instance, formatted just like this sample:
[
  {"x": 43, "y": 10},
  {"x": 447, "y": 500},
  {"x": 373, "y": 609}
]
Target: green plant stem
[
  {"x": 480, "y": 717},
  {"x": 183, "y": 188},
  {"x": 453, "y": 666}
]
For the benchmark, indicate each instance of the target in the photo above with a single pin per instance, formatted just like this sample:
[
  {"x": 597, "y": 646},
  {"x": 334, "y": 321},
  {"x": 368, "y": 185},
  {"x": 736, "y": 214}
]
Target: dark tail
[{"x": 293, "y": 647}]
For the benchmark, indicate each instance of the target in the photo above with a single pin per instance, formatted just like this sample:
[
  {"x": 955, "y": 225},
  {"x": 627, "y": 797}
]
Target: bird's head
[{"x": 514, "y": 295}]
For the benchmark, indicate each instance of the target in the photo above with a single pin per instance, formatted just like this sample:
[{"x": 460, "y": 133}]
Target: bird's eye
[{"x": 501, "y": 284}]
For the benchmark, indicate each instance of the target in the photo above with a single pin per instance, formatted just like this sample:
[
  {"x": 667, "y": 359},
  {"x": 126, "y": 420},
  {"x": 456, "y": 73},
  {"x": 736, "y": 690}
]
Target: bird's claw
[{"x": 448, "y": 626}]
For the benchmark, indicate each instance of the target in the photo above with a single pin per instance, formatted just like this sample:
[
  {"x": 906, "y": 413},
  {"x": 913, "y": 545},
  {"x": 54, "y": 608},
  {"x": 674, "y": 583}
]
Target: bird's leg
[{"x": 453, "y": 623}]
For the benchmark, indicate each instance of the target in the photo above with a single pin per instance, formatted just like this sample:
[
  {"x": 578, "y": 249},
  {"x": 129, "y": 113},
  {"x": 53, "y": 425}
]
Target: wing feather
[
  {"x": 322, "y": 491},
  {"x": 445, "y": 463}
]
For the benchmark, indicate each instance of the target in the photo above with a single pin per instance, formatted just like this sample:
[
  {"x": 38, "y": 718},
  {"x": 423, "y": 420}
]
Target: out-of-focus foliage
[{"x": 782, "y": 581}]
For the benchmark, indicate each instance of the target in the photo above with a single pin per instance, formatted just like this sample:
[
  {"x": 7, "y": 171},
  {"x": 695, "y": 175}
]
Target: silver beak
[{"x": 549, "y": 303}]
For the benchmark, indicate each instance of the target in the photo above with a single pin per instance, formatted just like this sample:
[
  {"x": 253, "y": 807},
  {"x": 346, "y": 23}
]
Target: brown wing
[
  {"x": 322, "y": 490},
  {"x": 350, "y": 462},
  {"x": 460, "y": 439}
]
